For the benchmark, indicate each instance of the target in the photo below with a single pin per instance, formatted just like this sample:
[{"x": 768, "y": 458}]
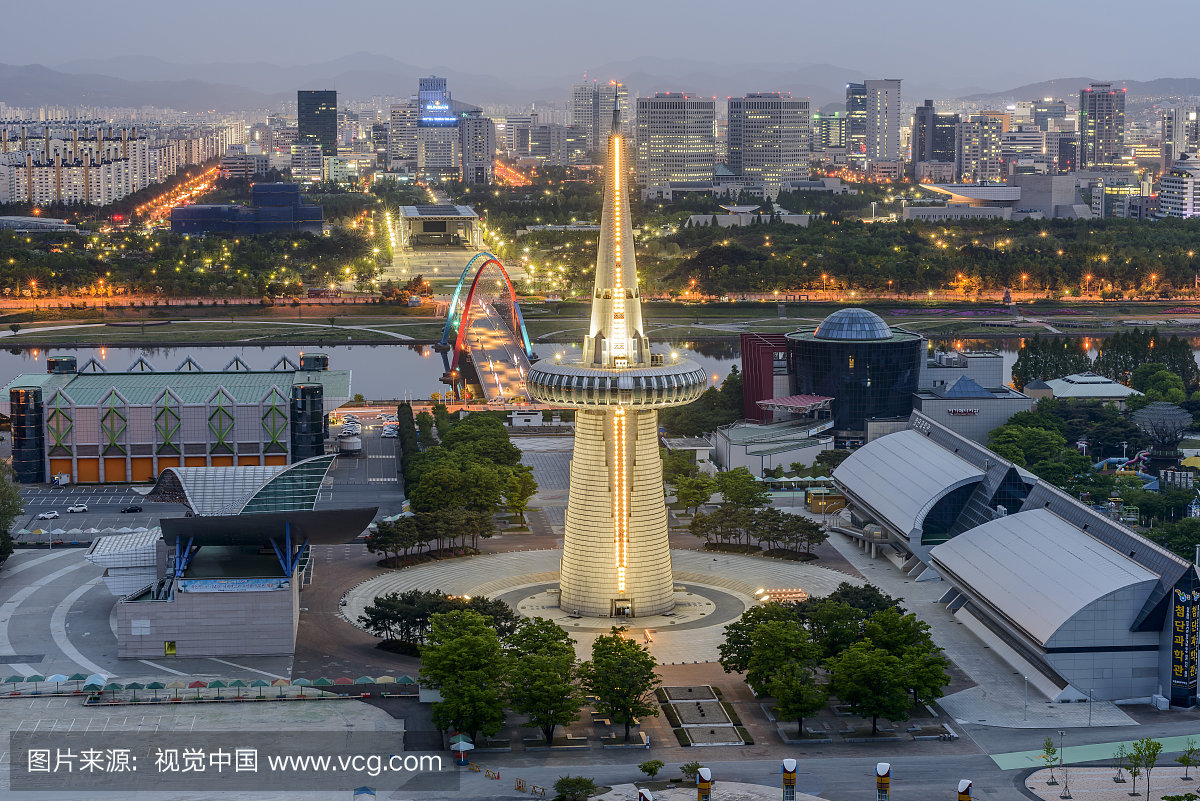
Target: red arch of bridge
[{"x": 465, "y": 322}]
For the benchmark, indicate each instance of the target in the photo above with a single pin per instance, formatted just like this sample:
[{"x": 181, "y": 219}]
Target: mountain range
[{"x": 230, "y": 86}]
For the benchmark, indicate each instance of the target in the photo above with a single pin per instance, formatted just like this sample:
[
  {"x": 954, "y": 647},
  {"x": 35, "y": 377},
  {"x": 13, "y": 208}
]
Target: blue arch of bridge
[{"x": 454, "y": 312}]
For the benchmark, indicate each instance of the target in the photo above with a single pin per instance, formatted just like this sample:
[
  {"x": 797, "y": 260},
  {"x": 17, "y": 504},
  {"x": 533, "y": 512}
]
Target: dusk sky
[{"x": 992, "y": 45}]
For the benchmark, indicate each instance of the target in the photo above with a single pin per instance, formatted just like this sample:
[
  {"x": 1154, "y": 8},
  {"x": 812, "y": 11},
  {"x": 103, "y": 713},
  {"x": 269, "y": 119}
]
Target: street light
[{"x": 1026, "y": 698}]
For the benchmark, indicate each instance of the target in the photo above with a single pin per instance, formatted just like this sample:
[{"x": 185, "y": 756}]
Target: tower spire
[{"x": 616, "y": 337}]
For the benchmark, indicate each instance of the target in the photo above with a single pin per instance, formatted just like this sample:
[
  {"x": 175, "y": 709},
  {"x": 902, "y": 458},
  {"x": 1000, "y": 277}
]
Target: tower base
[{"x": 616, "y": 559}]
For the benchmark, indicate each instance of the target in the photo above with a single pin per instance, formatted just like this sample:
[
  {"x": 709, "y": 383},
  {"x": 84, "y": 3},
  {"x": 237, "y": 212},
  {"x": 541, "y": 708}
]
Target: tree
[
  {"x": 831, "y": 459},
  {"x": 519, "y": 487},
  {"x": 783, "y": 664},
  {"x": 1025, "y": 446},
  {"x": 11, "y": 506},
  {"x": 14, "y": 327},
  {"x": 1188, "y": 757},
  {"x": 463, "y": 661},
  {"x": 573, "y": 788},
  {"x": 651, "y": 767},
  {"x": 735, "y": 652},
  {"x": 1050, "y": 752},
  {"x": 1144, "y": 754},
  {"x": 739, "y": 487},
  {"x": 621, "y": 675},
  {"x": 1120, "y": 757},
  {"x": 541, "y": 676},
  {"x": 692, "y": 491},
  {"x": 871, "y": 682},
  {"x": 678, "y": 465},
  {"x": 867, "y": 598},
  {"x": 689, "y": 770}
]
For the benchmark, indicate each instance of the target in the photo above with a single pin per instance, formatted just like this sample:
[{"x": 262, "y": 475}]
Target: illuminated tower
[{"x": 616, "y": 559}]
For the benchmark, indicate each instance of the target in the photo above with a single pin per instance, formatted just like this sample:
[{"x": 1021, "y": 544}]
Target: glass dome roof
[{"x": 853, "y": 324}]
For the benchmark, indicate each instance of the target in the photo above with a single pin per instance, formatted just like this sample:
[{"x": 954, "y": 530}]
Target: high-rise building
[
  {"x": 1179, "y": 189},
  {"x": 402, "y": 134},
  {"x": 477, "y": 143},
  {"x": 307, "y": 164},
  {"x": 1023, "y": 149},
  {"x": 828, "y": 130},
  {"x": 439, "y": 158},
  {"x": 616, "y": 558},
  {"x": 592, "y": 106},
  {"x": 977, "y": 155},
  {"x": 433, "y": 101},
  {"x": 1101, "y": 125},
  {"x": 1173, "y": 136},
  {"x": 555, "y": 145},
  {"x": 1048, "y": 109},
  {"x": 934, "y": 134},
  {"x": 883, "y": 120},
  {"x": 675, "y": 139},
  {"x": 317, "y": 119},
  {"x": 768, "y": 138},
  {"x": 856, "y": 121}
]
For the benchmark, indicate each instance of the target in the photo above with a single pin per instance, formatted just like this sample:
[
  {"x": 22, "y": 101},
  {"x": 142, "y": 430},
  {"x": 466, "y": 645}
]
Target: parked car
[
  {"x": 128, "y": 509},
  {"x": 389, "y": 435},
  {"x": 51, "y": 515},
  {"x": 77, "y": 507}
]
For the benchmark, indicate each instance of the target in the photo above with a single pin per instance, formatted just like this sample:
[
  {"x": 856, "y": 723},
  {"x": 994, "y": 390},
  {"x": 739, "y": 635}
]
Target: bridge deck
[{"x": 499, "y": 359}]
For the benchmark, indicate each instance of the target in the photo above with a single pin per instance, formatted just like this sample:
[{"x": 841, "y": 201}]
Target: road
[{"x": 500, "y": 360}]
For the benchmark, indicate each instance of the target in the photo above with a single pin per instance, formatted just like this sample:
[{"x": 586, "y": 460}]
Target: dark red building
[{"x": 763, "y": 355}]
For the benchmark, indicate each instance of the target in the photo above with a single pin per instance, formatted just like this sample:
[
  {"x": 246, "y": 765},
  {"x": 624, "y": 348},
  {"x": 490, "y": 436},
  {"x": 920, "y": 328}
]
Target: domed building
[{"x": 869, "y": 368}]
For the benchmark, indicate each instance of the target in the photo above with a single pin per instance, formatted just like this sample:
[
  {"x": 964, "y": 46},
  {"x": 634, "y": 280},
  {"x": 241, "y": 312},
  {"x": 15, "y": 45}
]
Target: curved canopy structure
[
  {"x": 901, "y": 476},
  {"x": 211, "y": 491},
  {"x": 1040, "y": 571}
]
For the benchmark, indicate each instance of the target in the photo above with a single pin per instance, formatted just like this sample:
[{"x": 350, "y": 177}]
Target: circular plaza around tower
[{"x": 711, "y": 590}]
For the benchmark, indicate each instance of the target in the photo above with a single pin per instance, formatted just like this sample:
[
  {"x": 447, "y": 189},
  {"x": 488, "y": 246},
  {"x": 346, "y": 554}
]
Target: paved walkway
[
  {"x": 1096, "y": 784},
  {"x": 735, "y": 577},
  {"x": 999, "y": 698},
  {"x": 721, "y": 791},
  {"x": 1094, "y": 752}
]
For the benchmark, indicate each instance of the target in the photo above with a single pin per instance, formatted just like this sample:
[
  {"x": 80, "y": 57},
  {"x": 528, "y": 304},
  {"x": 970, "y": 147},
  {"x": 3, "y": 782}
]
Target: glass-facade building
[
  {"x": 867, "y": 367},
  {"x": 316, "y": 119}
]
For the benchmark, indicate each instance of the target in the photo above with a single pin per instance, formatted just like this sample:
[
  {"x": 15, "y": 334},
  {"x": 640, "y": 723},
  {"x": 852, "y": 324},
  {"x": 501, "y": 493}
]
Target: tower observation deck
[{"x": 616, "y": 559}]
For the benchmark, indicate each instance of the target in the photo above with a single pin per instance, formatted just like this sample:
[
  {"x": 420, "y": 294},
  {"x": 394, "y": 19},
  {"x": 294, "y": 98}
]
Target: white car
[
  {"x": 51, "y": 515},
  {"x": 389, "y": 435},
  {"x": 77, "y": 507}
]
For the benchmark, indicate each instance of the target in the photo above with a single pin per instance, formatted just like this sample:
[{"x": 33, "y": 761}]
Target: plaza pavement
[
  {"x": 1096, "y": 784},
  {"x": 504, "y": 574}
]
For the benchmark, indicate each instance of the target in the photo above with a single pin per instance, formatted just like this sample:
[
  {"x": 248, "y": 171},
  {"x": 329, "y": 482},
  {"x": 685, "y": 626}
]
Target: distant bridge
[{"x": 485, "y": 333}]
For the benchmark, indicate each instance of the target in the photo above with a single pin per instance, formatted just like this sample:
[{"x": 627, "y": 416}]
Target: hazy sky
[{"x": 996, "y": 44}]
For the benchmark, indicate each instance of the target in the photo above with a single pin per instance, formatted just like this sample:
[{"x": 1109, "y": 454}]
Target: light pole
[
  {"x": 1061, "y": 735},
  {"x": 1026, "y": 698},
  {"x": 1090, "y": 708}
]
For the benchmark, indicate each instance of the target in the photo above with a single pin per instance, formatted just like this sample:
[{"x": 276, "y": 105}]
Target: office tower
[
  {"x": 555, "y": 145},
  {"x": 402, "y": 134},
  {"x": 675, "y": 141},
  {"x": 1048, "y": 109},
  {"x": 856, "y": 120},
  {"x": 438, "y": 155},
  {"x": 317, "y": 119},
  {"x": 477, "y": 143},
  {"x": 1101, "y": 125},
  {"x": 1062, "y": 149},
  {"x": 883, "y": 120},
  {"x": 307, "y": 163},
  {"x": 768, "y": 138},
  {"x": 934, "y": 135},
  {"x": 828, "y": 130},
  {"x": 1022, "y": 112},
  {"x": 433, "y": 100},
  {"x": 1191, "y": 130},
  {"x": 1179, "y": 189},
  {"x": 616, "y": 559},
  {"x": 977, "y": 155},
  {"x": 592, "y": 106}
]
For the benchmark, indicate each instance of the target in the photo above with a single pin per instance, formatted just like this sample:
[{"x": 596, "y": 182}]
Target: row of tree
[
  {"x": 405, "y": 618},
  {"x": 1122, "y": 357},
  {"x": 857, "y": 644},
  {"x": 474, "y": 466},
  {"x": 768, "y": 528},
  {"x": 482, "y": 671}
]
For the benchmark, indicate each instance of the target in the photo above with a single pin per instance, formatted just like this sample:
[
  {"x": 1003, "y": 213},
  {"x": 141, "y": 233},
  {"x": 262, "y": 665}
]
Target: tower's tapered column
[{"x": 616, "y": 557}]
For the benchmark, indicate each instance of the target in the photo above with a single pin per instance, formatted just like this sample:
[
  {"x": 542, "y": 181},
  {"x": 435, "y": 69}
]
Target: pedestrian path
[{"x": 1094, "y": 752}]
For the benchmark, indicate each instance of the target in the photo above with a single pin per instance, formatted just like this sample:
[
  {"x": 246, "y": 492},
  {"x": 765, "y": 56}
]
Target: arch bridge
[{"x": 485, "y": 333}]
